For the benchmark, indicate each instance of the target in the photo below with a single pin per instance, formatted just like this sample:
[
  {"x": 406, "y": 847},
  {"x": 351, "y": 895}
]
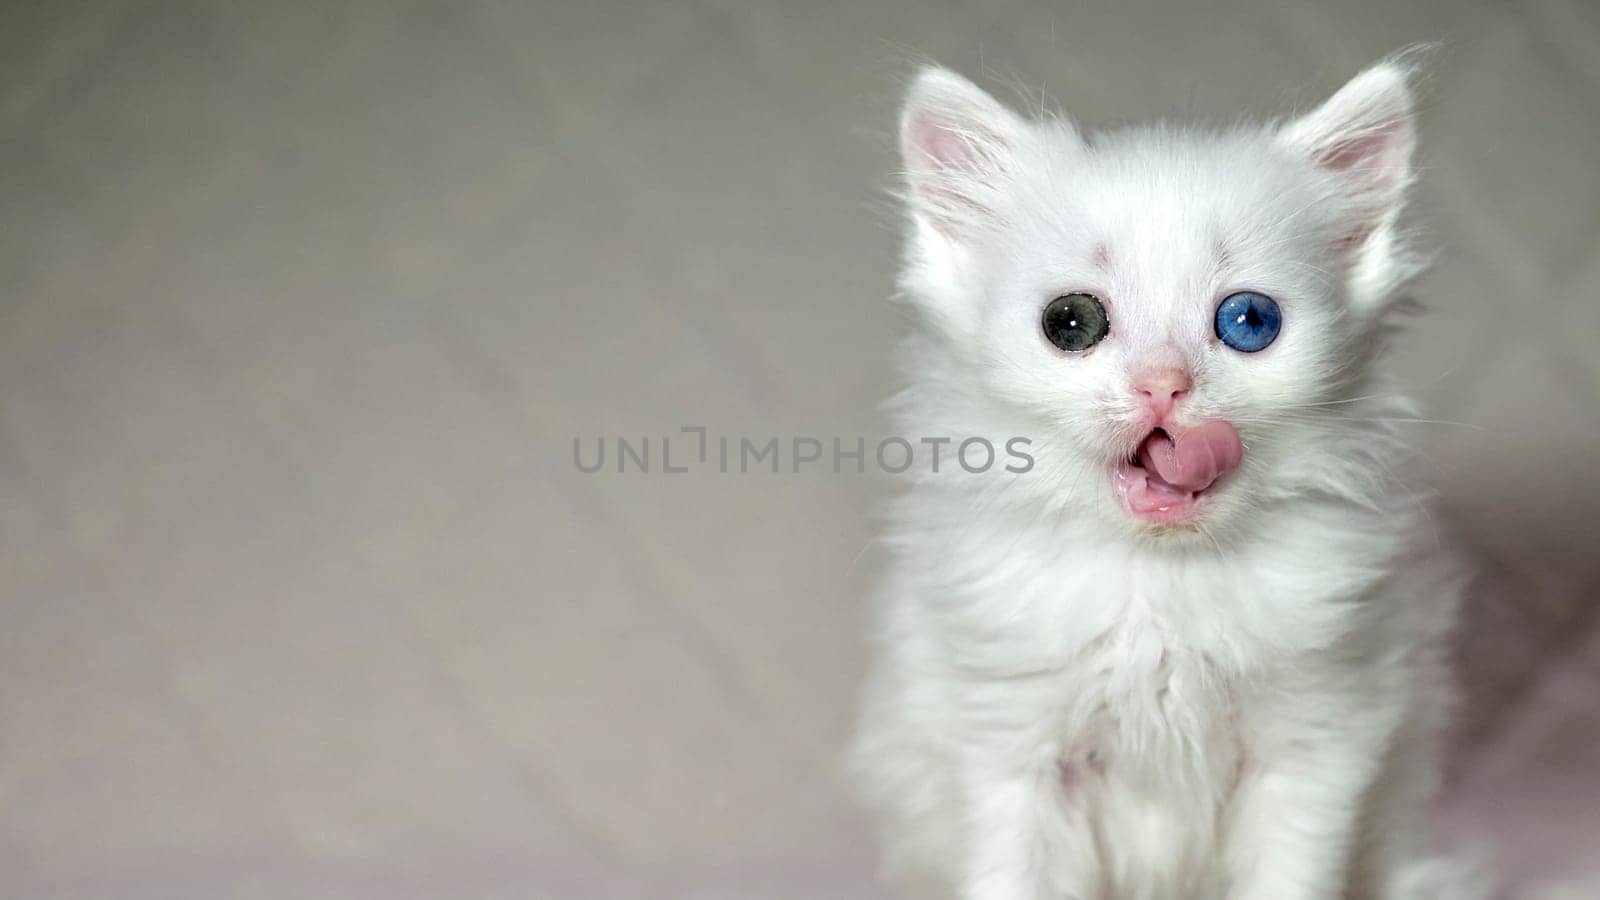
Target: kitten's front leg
[
  {"x": 1296, "y": 812},
  {"x": 1005, "y": 847}
]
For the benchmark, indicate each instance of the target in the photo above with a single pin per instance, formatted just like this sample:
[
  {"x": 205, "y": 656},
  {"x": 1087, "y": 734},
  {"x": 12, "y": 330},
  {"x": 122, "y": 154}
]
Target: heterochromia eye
[
  {"x": 1248, "y": 321},
  {"x": 1075, "y": 322}
]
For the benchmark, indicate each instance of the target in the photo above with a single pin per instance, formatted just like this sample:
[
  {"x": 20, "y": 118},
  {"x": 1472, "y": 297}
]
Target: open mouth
[{"x": 1166, "y": 477}]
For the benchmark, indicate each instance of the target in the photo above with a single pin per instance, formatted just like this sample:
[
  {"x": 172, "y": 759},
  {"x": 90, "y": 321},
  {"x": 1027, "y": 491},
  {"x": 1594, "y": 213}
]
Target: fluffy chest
[
  {"x": 1145, "y": 703},
  {"x": 1129, "y": 622},
  {"x": 1126, "y": 664},
  {"x": 1150, "y": 756}
]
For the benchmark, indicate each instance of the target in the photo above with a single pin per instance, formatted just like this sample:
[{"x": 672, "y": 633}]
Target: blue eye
[{"x": 1248, "y": 321}]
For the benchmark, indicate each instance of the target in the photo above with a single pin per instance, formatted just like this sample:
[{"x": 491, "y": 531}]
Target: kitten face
[{"x": 1165, "y": 426}]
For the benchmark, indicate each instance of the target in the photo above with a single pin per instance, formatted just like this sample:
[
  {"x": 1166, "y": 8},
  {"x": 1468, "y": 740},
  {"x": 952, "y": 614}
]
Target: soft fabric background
[{"x": 301, "y": 306}]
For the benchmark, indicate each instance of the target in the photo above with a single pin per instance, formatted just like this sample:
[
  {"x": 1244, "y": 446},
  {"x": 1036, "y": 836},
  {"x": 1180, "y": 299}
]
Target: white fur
[{"x": 1068, "y": 704}]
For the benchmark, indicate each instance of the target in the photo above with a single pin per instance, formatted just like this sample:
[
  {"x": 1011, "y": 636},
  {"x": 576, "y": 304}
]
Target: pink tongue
[{"x": 1200, "y": 456}]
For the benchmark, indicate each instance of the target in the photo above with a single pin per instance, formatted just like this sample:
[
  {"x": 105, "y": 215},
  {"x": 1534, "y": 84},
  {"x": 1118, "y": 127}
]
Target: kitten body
[{"x": 1076, "y": 697}]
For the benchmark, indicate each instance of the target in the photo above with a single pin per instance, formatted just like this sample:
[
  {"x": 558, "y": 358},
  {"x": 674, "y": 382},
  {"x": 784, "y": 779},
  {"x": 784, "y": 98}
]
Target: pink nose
[{"x": 1162, "y": 388}]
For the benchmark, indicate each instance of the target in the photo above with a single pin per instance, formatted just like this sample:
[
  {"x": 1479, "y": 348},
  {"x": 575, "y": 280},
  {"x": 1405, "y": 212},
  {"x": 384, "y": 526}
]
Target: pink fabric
[{"x": 1524, "y": 784}]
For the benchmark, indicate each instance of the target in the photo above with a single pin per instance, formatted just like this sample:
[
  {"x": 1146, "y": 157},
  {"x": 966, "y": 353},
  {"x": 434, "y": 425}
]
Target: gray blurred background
[{"x": 302, "y": 305}]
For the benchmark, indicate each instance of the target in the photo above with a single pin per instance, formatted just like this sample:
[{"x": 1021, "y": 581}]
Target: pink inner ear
[
  {"x": 1378, "y": 157},
  {"x": 1347, "y": 154},
  {"x": 939, "y": 145},
  {"x": 948, "y": 161}
]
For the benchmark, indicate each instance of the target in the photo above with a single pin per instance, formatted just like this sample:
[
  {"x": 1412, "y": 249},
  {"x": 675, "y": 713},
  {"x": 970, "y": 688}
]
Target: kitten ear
[
  {"x": 957, "y": 144},
  {"x": 1366, "y": 133}
]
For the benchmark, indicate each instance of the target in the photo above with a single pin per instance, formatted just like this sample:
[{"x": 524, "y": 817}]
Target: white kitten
[{"x": 1195, "y": 652}]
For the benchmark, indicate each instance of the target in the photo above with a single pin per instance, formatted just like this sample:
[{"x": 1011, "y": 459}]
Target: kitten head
[{"x": 1174, "y": 315}]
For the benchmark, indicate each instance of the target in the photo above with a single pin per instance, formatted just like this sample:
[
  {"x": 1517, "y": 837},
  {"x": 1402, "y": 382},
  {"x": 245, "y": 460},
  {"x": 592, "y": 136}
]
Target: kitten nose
[{"x": 1162, "y": 388}]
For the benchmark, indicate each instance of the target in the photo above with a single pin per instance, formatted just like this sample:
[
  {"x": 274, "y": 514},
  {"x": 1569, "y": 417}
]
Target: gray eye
[{"x": 1075, "y": 322}]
